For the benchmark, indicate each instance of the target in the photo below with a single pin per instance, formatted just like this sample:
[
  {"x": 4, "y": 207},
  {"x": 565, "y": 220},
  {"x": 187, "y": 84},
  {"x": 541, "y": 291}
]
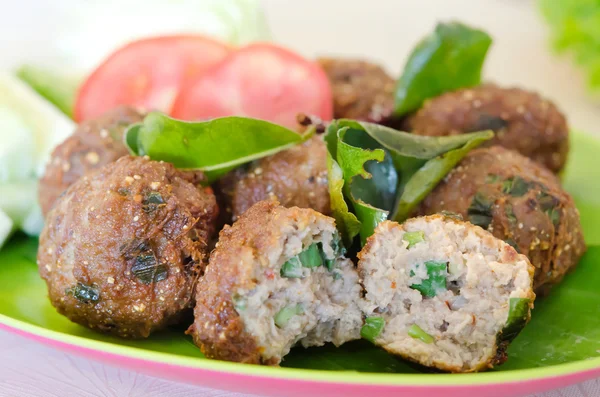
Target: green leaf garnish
[
  {"x": 55, "y": 88},
  {"x": 214, "y": 147},
  {"x": 283, "y": 316},
  {"x": 372, "y": 328},
  {"x": 417, "y": 332},
  {"x": 518, "y": 316},
  {"x": 131, "y": 140},
  {"x": 436, "y": 281},
  {"x": 480, "y": 210},
  {"x": 292, "y": 268},
  {"x": 510, "y": 214},
  {"x": 450, "y": 58},
  {"x": 549, "y": 204},
  {"x": 84, "y": 293},
  {"x": 413, "y": 238},
  {"x": 147, "y": 269},
  {"x": 386, "y": 173},
  {"x": 311, "y": 257},
  {"x": 516, "y": 186},
  {"x": 152, "y": 202}
]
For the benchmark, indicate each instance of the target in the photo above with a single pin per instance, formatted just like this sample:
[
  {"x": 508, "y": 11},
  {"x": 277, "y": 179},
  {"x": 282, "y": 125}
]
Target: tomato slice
[
  {"x": 261, "y": 81},
  {"x": 147, "y": 73}
]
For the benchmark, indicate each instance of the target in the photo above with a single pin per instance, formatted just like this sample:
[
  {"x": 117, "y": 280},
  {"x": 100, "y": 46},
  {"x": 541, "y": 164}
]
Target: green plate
[{"x": 562, "y": 338}]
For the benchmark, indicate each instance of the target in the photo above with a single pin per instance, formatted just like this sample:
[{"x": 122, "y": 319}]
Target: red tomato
[
  {"x": 261, "y": 81},
  {"x": 147, "y": 73}
]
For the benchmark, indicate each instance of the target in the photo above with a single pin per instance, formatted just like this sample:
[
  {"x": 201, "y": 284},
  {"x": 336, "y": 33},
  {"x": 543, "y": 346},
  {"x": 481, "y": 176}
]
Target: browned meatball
[
  {"x": 521, "y": 203},
  {"x": 361, "y": 90},
  {"x": 122, "y": 248},
  {"x": 276, "y": 278},
  {"x": 94, "y": 144},
  {"x": 522, "y": 120},
  {"x": 295, "y": 177}
]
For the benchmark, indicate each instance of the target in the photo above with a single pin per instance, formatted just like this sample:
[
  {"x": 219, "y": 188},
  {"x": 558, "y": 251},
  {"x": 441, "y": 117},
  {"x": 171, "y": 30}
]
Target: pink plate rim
[{"x": 294, "y": 382}]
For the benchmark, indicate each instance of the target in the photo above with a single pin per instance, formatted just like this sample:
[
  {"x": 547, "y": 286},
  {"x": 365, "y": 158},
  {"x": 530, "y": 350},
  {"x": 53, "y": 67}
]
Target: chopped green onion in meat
[
  {"x": 372, "y": 328},
  {"x": 292, "y": 268},
  {"x": 437, "y": 272},
  {"x": 413, "y": 238},
  {"x": 283, "y": 317},
  {"x": 311, "y": 257},
  {"x": 417, "y": 332}
]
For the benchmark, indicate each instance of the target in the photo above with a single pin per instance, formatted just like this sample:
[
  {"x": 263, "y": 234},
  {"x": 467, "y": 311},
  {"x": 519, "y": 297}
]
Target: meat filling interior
[
  {"x": 443, "y": 293},
  {"x": 308, "y": 294}
]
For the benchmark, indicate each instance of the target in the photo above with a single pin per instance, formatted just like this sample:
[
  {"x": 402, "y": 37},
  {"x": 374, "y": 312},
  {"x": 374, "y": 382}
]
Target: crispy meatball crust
[
  {"x": 253, "y": 241},
  {"x": 294, "y": 177},
  {"x": 94, "y": 144},
  {"x": 122, "y": 249},
  {"x": 522, "y": 120},
  {"x": 518, "y": 201},
  {"x": 361, "y": 90}
]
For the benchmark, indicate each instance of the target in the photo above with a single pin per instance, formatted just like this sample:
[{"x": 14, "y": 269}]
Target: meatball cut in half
[
  {"x": 519, "y": 202},
  {"x": 122, "y": 249},
  {"x": 294, "y": 177},
  {"x": 277, "y": 278},
  {"x": 522, "y": 120},
  {"x": 361, "y": 90},
  {"x": 94, "y": 144},
  {"x": 444, "y": 293}
]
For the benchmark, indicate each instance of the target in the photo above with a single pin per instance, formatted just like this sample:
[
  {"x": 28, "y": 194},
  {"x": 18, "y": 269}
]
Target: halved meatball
[
  {"x": 294, "y": 177},
  {"x": 94, "y": 144},
  {"x": 518, "y": 201},
  {"x": 361, "y": 90},
  {"x": 277, "y": 278},
  {"x": 444, "y": 293},
  {"x": 122, "y": 249},
  {"x": 522, "y": 120}
]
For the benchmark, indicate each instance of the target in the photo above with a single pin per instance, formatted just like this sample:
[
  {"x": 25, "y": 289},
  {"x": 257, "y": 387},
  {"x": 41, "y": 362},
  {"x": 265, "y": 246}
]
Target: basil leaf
[
  {"x": 214, "y": 147},
  {"x": 426, "y": 178},
  {"x": 131, "y": 140},
  {"x": 365, "y": 192},
  {"x": 386, "y": 171},
  {"x": 346, "y": 222},
  {"x": 450, "y": 58},
  {"x": 56, "y": 89}
]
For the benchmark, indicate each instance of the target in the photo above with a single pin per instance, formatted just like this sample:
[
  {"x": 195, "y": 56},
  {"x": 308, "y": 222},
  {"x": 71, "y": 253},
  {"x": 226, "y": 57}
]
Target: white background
[{"x": 381, "y": 30}]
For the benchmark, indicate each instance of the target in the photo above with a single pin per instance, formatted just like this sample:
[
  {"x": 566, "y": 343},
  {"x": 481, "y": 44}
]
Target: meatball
[
  {"x": 94, "y": 144},
  {"x": 276, "y": 278},
  {"x": 520, "y": 202},
  {"x": 444, "y": 293},
  {"x": 361, "y": 90},
  {"x": 294, "y": 177},
  {"x": 123, "y": 248},
  {"x": 522, "y": 120}
]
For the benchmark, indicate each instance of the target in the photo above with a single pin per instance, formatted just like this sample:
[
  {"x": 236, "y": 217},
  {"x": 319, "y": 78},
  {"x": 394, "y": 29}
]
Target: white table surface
[{"x": 519, "y": 56}]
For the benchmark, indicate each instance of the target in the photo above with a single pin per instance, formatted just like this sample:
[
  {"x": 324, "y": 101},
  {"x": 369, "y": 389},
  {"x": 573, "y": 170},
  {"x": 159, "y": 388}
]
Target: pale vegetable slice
[
  {"x": 30, "y": 128},
  {"x": 17, "y": 150},
  {"x": 19, "y": 202},
  {"x": 47, "y": 126},
  {"x": 6, "y": 227}
]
